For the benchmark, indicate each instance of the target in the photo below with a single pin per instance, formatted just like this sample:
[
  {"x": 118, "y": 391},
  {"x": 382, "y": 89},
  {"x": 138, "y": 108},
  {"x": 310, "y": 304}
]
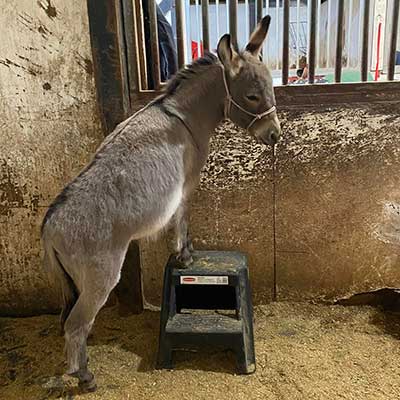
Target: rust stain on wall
[
  {"x": 11, "y": 194},
  {"x": 34, "y": 25},
  {"x": 85, "y": 63},
  {"x": 9, "y": 63},
  {"x": 48, "y": 8}
]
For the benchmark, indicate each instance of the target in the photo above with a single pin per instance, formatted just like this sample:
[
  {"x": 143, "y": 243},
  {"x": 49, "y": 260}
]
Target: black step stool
[{"x": 216, "y": 280}]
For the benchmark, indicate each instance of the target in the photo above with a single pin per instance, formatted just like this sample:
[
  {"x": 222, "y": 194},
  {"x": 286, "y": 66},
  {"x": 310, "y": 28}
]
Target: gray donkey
[{"x": 141, "y": 178}]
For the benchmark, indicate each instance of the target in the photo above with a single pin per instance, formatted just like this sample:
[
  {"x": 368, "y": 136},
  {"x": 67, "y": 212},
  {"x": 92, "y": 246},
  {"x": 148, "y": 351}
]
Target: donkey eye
[{"x": 252, "y": 97}]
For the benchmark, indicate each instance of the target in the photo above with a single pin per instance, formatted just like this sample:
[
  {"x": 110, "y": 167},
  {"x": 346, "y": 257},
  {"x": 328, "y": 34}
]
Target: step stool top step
[
  {"x": 213, "y": 262},
  {"x": 204, "y": 324}
]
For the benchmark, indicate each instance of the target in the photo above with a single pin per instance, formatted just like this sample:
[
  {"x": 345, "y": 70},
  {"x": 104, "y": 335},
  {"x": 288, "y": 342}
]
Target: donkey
[{"x": 141, "y": 179}]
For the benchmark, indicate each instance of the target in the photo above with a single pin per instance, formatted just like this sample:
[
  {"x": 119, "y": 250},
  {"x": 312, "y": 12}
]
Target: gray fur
[{"x": 140, "y": 180}]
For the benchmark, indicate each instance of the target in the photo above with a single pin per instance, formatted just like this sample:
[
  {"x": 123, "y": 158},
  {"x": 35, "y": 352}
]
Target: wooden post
[{"x": 110, "y": 67}]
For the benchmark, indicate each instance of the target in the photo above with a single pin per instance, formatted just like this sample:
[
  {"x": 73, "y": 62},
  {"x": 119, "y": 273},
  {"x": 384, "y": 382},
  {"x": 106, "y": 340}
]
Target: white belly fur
[
  {"x": 171, "y": 206},
  {"x": 161, "y": 221}
]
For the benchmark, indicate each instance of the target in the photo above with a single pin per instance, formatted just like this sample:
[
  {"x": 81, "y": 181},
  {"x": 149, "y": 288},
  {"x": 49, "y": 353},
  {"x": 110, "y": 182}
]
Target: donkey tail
[{"x": 59, "y": 277}]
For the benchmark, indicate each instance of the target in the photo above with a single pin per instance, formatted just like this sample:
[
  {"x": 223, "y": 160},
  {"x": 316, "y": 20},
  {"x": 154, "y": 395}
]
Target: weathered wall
[
  {"x": 49, "y": 129},
  {"x": 337, "y": 187},
  {"x": 337, "y": 199}
]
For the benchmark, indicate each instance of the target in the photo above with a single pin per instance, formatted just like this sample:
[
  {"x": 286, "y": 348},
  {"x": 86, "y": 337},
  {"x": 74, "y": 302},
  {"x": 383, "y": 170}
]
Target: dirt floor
[{"x": 304, "y": 351}]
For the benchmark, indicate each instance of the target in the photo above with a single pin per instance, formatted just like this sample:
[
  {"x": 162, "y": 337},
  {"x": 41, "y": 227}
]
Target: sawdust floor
[{"x": 303, "y": 351}]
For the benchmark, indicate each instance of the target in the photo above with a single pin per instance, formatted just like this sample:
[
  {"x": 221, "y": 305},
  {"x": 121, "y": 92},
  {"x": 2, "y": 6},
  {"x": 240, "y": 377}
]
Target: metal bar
[
  {"x": 285, "y": 53},
  {"x": 259, "y": 10},
  {"x": 359, "y": 38},
  {"x": 155, "y": 56},
  {"x": 393, "y": 40},
  {"x": 365, "y": 42},
  {"x": 312, "y": 47},
  {"x": 233, "y": 21},
  {"x": 349, "y": 32},
  {"x": 339, "y": 42},
  {"x": 180, "y": 31},
  {"x": 328, "y": 34},
  {"x": 217, "y": 17},
  {"x": 246, "y": 18},
  {"x": 188, "y": 16},
  {"x": 227, "y": 15},
  {"x": 297, "y": 33},
  {"x": 308, "y": 25},
  {"x": 267, "y": 43},
  {"x": 206, "y": 28},
  {"x": 318, "y": 41},
  {"x": 277, "y": 34},
  {"x": 252, "y": 15},
  {"x": 198, "y": 25}
]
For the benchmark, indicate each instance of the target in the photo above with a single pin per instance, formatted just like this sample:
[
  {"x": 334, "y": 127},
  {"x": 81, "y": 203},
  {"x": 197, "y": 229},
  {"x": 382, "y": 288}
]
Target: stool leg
[
  {"x": 248, "y": 366},
  {"x": 244, "y": 359},
  {"x": 164, "y": 360}
]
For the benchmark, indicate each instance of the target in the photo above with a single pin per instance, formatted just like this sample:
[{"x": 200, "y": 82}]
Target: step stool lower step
[{"x": 204, "y": 324}]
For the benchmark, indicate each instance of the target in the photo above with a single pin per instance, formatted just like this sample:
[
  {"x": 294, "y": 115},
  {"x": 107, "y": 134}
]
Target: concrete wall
[
  {"x": 49, "y": 129},
  {"x": 337, "y": 199},
  {"x": 337, "y": 188}
]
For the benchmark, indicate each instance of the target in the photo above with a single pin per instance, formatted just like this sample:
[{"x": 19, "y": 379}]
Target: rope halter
[{"x": 230, "y": 101}]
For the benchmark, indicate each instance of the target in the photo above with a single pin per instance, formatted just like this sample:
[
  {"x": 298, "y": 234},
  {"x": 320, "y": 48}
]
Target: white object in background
[{"x": 378, "y": 40}]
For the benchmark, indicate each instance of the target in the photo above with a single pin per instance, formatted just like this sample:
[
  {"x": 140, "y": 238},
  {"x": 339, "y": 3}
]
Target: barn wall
[
  {"x": 49, "y": 129},
  {"x": 337, "y": 187},
  {"x": 337, "y": 199}
]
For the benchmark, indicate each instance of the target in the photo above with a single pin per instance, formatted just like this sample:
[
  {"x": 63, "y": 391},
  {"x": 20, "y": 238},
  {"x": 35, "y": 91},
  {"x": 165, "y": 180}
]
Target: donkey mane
[{"x": 188, "y": 72}]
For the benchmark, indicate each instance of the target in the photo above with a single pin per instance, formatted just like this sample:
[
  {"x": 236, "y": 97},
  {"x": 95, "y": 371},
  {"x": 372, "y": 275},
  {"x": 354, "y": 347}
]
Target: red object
[
  {"x": 194, "y": 50},
  {"x": 378, "y": 47},
  {"x": 188, "y": 279}
]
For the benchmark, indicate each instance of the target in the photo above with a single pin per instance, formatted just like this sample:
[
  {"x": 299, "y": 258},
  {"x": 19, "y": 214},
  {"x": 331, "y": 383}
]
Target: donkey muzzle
[{"x": 267, "y": 132}]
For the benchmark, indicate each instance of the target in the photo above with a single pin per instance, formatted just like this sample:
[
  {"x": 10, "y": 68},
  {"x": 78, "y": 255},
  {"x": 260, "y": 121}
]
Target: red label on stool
[{"x": 204, "y": 280}]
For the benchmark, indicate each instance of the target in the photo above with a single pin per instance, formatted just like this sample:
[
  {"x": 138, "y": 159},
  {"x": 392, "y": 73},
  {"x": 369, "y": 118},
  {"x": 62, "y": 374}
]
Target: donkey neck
[{"x": 199, "y": 102}]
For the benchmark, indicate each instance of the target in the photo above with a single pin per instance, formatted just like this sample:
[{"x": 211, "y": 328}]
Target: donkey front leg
[{"x": 184, "y": 247}]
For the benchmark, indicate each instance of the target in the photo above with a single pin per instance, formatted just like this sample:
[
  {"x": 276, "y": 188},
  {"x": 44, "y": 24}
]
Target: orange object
[{"x": 194, "y": 50}]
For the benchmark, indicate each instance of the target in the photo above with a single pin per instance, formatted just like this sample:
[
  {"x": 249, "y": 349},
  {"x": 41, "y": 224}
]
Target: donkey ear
[
  {"x": 228, "y": 55},
  {"x": 225, "y": 50},
  {"x": 258, "y": 36}
]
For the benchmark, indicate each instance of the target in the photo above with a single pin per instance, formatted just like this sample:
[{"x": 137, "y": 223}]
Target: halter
[{"x": 230, "y": 101}]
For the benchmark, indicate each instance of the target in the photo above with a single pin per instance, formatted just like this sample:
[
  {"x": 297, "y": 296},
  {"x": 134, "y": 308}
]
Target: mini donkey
[{"x": 142, "y": 177}]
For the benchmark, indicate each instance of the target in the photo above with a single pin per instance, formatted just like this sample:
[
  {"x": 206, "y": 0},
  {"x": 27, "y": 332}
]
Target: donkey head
[{"x": 250, "y": 92}]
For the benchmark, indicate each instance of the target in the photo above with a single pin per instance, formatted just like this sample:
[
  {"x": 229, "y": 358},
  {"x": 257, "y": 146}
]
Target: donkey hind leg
[
  {"x": 69, "y": 301},
  {"x": 66, "y": 310},
  {"x": 93, "y": 295},
  {"x": 184, "y": 246}
]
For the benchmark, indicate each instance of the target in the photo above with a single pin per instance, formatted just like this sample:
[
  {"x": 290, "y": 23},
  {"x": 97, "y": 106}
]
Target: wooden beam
[
  {"x": 110, "y": 64},
  {"x": 316, "y": 95},
  {"x": 109, "y": 61}
]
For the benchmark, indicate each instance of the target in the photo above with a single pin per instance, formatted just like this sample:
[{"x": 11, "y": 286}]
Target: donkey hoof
[
  {"x": 183, "y": 261},
  {"x": 87, "y": 386}
]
